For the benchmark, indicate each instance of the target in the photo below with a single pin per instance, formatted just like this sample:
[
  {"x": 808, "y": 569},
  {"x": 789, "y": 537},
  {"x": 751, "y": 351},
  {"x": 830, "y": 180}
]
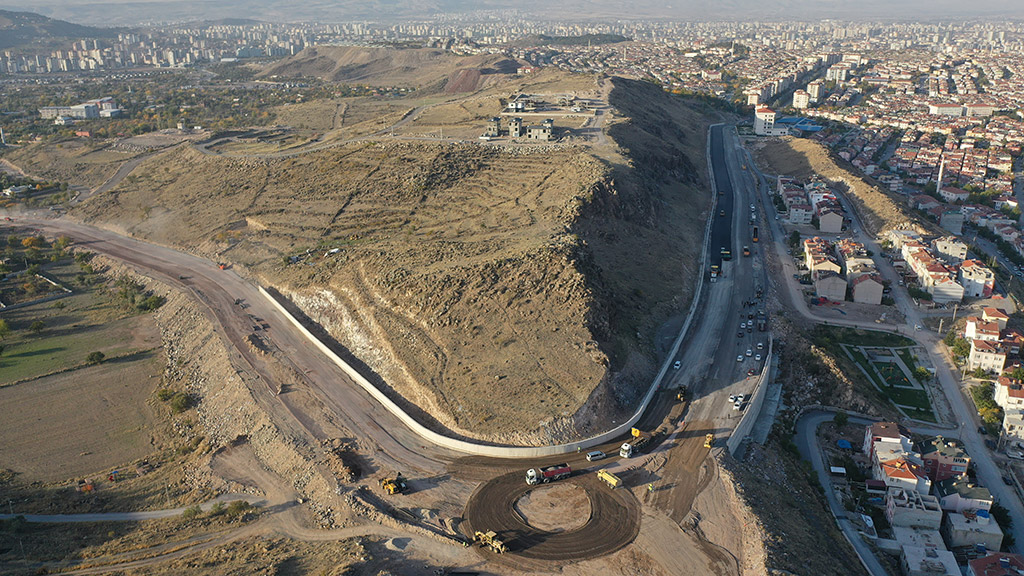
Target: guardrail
[{"x": 524, "y": 451}]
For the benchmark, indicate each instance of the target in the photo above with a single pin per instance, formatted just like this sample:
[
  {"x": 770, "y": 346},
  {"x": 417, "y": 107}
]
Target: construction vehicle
[
  {"x": 754, "y": 235},
  {"x": 547, "y": 474},
  {"x": 716, "y": 271},
  {"x": 709, "y": 439},
  {"x": 726, "y": 254},
  {"x": 633, "y": 447},
  {"x": 394, "y": 485},
  {"x": 746, "y": 250},
  {"x": 681, "y": 395},
  {"x": 612, "y": 480},
  {"x": 490, "y": 540}
]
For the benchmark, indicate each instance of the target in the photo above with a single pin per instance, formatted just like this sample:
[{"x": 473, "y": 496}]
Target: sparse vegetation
[{"x": 990, "y": 412}]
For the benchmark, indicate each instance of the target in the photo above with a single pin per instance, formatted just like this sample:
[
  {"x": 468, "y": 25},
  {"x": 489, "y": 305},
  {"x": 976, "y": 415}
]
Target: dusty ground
[
  {"x": 803, "y": 158},
  {"x": 555, "y": 508},
  {"x": 84, "y": 162}
]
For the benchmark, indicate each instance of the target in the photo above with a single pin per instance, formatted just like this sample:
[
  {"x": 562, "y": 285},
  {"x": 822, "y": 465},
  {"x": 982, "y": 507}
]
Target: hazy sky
[{"x": 120, "y": 12}]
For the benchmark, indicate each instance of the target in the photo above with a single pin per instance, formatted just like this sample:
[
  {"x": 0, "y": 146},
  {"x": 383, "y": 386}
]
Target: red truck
[{"x": 547, "y": 474}]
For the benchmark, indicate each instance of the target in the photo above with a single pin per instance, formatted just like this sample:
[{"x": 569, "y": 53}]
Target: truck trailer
[
  {"x": 547, "y": 474},
  {"x": 633, "y": 447}
]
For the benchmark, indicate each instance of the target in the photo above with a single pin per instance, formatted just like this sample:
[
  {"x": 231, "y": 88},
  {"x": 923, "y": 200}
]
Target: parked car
[
  {"x": 757, "y": 357},
  {"x": 749, "y": 352},
  {"x": 732, "y": 398},
  {"x": 737, "y": 405},
  {"x": 677, "y": 364},
  {"x": 739, "y": 358},
  {"x": 982, "y": 430},
  {"x": 991, "y": 444}
]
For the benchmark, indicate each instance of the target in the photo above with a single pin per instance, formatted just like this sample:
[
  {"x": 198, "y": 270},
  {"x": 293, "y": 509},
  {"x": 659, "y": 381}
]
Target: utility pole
[{"x": 941, "y": 320}]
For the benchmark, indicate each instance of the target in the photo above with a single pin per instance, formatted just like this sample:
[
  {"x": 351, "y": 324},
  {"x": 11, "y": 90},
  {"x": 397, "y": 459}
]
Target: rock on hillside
[{"x": 505, "y": 294}]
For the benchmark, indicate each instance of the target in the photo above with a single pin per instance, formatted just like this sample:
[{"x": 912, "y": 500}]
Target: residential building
[
  {"x": 1012, "y": 434},
  {"x": 989, "y": 356},
  {"x": 911, "y": 508},
  {"x": 943, "y": 458},
  {"x": 830, "y": 285},
  {"x": 542, "y": 132},
  {"x": 901, "y": 472},
  {"x": 980, "y": 329},
  {"x": 996, "y": 564},
  {"x": 515, "y": 127},
  {"x": 1009, "y": 393},
  {"x": 801, "y": 99},
  {"x": 959, "y": 494},
  {"x": 493, "y": 128},
  {"x": 954, "y": 195},
  {"x": 950, "y": 248},
  {"x": 818, "y": 257},
  {"x": 880, "y": 435},
  {"x": 919, "y": 561},
  {"x": 977, "y": 279},
  {"x": 800, "y": 214},
  {"x": 950, "y": 219},
  {"x": 972, "y": 528},
  {"x": 830, "y": 221},
  {"x": 990, "y": 314},
  {"x": 867, "y": 289}
]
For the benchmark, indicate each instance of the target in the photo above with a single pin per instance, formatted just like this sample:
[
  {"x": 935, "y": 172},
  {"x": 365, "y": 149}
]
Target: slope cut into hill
[
  {"x": 414, "y": 67},
  {"x": 505, "y": 294}
]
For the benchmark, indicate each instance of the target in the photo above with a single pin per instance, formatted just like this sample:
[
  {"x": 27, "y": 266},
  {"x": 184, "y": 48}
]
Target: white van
[{"x": 595, "y": 455}]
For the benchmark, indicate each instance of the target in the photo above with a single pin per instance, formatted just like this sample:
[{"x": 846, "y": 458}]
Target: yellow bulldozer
[
  {"x": 394, "y": 485},
  {"x": 709, "y": 440},
  {"x": 490, "y": 540}
]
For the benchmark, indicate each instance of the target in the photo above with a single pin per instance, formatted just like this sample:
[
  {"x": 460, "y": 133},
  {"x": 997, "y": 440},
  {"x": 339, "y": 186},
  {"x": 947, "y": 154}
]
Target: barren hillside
[
  {"x": 511, "y": 294},
  {"x": 416, "y": 67}
]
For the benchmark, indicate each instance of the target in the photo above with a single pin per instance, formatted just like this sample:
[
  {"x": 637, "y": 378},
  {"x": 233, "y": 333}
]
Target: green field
[
  {"x": 92, "y": 319},
  {"x": 895, "y": 385}
]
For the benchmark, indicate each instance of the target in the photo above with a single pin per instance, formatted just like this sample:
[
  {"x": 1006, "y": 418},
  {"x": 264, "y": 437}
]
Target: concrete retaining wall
[{"x": 749, "y": 417}]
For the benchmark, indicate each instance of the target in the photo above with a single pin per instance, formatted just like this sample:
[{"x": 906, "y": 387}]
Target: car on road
[
  {"x": 917, "y": 327},
  {"x": 760, "y": 345},
  {"x": 1007, "y": 480},
  {"x": 752, "y": 208},
  {"x": 751, "y": 372},
  {"x": 732, "y": 399},
  {"x": 750, "y": 352},
  {"x": 739, "y": 358},
  {"x": 739, "y": 334},
  {"x": 737, "y": 405},
  {"x": 677, "y": 364},
  {"x": 991, "y": 444},
  {"x": 595, "y": 455},
  {"x": 757, "y": 357},
  {"x": 721, "y": 212},
  {"x": 743, "y": 325}
]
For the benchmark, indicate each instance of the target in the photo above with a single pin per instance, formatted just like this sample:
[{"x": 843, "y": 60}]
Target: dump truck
[
  {"x": 490, "y": 540},
  {"x": 394, "y": 485},
  {"x": 633, "y": 447},
  {"x": 726, "y": 254},
  {"x": 754, "y": 234},
  {"x": 547, "y": 474},
  {"x": 612, "y": 480},
  {"x": 709, "y": 440},
  {"x": 716, "y": 271}
]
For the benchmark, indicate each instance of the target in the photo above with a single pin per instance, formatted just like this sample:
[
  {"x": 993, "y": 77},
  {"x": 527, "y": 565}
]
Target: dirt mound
[
  {"x": 511, "y": 294},
  {"x": 418, "y": 67}
]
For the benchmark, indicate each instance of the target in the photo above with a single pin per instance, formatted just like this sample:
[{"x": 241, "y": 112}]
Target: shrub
[
  {"x": 180, "y": 402},
  {"x": 191, "y": 512},
  {"x": 164, "y": 394},
  {"x": 841, "y": 419},
  {"x": 95, "y": 357}
]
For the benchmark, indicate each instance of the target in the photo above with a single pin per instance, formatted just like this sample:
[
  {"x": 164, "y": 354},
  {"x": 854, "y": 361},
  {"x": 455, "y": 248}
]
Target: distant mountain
[{"x": 18, "y": 28}]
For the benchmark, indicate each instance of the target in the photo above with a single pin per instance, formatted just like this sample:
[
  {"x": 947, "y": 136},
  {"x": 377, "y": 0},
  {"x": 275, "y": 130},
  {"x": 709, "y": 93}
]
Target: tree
[
  {"x": 1017, "y": 373},
  {"x": 979, "y": 372},
  {"x": 5, "y": 328},
  {"x": 37, "y": 326},
  {"x": 95, "y": 357},
  {"x": 841, "y": 419},
  {"x": 34, "y": 242},
  {"x": 923, "y": 374}
]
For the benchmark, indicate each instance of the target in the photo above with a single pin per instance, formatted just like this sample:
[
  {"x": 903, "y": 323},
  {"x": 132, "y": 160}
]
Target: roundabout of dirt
[{"x": 551, "y": 523}]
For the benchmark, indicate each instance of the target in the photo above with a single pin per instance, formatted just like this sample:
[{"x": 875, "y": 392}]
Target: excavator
[{"x": 394, "y": 485}]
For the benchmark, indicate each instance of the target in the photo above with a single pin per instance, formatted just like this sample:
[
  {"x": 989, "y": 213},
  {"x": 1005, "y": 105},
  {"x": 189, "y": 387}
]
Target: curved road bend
[{"x": 988, "y": 470}]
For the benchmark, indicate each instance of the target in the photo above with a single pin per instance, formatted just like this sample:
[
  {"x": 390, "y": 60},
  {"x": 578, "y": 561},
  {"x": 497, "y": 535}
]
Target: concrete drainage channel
[{"x": 521, "y": 451}]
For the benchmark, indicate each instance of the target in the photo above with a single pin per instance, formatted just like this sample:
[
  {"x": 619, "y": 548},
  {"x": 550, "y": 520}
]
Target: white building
[
  {"x": 764, "y": 123},
  {"x": 801, "y": 99}
]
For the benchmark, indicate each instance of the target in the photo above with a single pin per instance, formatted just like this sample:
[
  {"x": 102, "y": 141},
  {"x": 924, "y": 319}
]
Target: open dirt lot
[
  {"x": 803, "y": 158},
  {"x": 82, "y": 162},
  {"x": 78, "y": 423}
]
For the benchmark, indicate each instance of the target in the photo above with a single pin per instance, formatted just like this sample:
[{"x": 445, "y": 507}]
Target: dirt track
[{"x": 614, "y": 522}]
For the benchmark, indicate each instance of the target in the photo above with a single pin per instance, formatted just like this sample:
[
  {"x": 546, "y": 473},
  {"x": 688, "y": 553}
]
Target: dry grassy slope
[
  {"x": 486, "y": 287},
  {"x": 391, "y": 67},
  {"x": 76, "y": 161}
]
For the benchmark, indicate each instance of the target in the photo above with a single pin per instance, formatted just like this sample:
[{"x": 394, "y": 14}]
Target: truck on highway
[
  {"x": 746, "y": 250},
  {"x": 637, "y": 443},
  {"x": 547, "y": 474},
  {"x": 715, "y": 272},
  {"x": 753, "y": 234},
  {"x": 726, "y": 254}
]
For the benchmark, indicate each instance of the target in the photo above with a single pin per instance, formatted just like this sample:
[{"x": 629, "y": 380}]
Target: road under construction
[{"x": 669, "y": 475}]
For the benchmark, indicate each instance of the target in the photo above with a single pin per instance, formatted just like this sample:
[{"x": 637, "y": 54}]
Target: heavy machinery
[
  {"x": 612, "y": 480},
  {"x": 633, "y": 447},
  {"x": 394, "y": 485},
  {"x": 726, "y": 254},
  {"x": 754, "y": 235},
  {"x": 715, "y": 272},
  {"x": 709, "y": 439},
  {"x": 547, "y": 474},
  {"x": 490, "y": 540}
]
